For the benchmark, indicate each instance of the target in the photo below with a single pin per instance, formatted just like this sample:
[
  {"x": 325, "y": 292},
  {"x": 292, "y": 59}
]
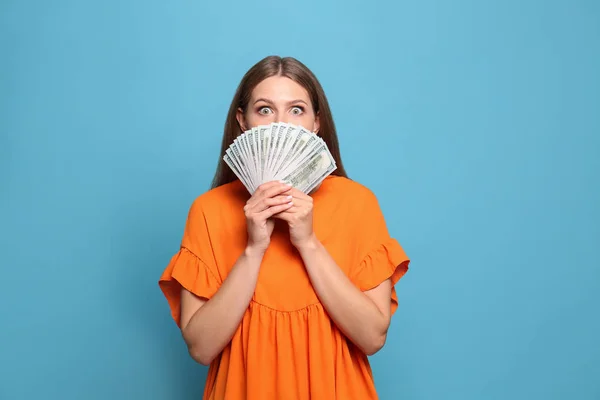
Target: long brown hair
[{"x": 296, "y": 71}]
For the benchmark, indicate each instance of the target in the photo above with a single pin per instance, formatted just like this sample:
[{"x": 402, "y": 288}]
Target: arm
[
  {"x": 208, "y": 325},
  {"x": 364, "y": 317}
]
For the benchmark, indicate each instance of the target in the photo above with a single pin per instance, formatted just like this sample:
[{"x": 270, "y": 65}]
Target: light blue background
[{"x": 476, "y": 123}]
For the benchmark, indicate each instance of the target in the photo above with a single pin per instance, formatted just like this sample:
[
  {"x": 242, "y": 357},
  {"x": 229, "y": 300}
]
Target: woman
[{"x": 284, "y": 294}]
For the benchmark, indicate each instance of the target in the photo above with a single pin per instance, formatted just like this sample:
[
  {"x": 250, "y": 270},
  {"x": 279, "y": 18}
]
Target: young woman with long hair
[{"x": 284, "y": 294}]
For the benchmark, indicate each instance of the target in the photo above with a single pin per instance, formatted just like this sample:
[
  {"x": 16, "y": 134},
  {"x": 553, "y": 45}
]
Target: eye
[
  {"x": 297, "y": 110},
  {"x": 264, "y": 110}
]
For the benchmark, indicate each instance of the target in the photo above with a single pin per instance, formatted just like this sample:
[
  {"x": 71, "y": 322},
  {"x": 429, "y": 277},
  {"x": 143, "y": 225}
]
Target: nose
[{"x": 285, "y": 118}]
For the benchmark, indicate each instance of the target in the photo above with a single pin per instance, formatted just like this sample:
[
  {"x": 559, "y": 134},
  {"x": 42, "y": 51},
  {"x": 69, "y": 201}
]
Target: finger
[
  {"x": 268, "y": 191},
  {"x": 260, "y": 205},
  {"x": 269, "y": 212},
  {"x": 269, "y": 202},
  {"x": 261, "y": 189},
  {"x": 284, "y": 215},
  {"x": 301, "y": 203},
  {"x": 295, "y": 208},
  {"x": 298, "y": 194},
  {"x": 268, "y": 184},
  {"x": 276, "y": 190}
]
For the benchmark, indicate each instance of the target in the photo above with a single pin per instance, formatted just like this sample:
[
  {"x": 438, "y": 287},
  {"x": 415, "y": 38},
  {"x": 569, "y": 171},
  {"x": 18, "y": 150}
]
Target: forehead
[{"x": 280, "y": 88}]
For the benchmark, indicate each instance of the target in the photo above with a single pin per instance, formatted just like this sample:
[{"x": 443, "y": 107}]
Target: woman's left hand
[{"x": 299, "y": 218}]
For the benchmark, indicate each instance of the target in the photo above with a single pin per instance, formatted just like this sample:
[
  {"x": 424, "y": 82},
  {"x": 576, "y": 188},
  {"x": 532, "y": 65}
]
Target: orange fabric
[{"x": 286, "y": 346}]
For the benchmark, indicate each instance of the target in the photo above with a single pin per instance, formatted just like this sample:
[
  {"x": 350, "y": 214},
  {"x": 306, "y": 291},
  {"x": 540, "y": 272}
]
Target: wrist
[
  {"x": 254, "y": 252},
  {"x": 308, "y": 245}
]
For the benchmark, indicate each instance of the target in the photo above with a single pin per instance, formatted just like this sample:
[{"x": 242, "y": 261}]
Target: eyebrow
[{"x": 289, "y": 102}]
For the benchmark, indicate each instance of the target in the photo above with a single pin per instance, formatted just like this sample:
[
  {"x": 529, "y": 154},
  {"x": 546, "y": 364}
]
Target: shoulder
[
  {"x": 355, "y": 192},
  {"x": 212, "y": 211},
  {"x": 223, "y": 195},
  {"x": 218, "y": 199}
]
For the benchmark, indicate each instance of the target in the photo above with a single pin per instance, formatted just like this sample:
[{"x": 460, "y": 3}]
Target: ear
[
  {"x": 317, "y": 124},
  {"x": 239, "y": 115}
]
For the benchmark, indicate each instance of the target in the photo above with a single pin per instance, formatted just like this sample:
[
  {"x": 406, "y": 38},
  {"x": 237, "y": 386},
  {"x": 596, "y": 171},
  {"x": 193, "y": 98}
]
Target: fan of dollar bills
[{"x": 280, "y": 151}]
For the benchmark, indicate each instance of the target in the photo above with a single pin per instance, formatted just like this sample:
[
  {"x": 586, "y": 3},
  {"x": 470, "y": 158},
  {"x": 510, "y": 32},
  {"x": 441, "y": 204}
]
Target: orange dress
[{"x": 286, "y": 346}]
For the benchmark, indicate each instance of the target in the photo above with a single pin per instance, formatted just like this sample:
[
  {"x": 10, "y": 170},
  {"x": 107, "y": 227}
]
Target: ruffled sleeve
[
  {"x": 193, "y": 267},
  {"x": 387, "y": 260},
  {"x": 187, "y": 270},
  {"x": 380, "y": 256}
]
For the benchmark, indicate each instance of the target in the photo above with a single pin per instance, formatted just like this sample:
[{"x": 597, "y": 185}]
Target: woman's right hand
[{"x": 269, "y": 199}]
